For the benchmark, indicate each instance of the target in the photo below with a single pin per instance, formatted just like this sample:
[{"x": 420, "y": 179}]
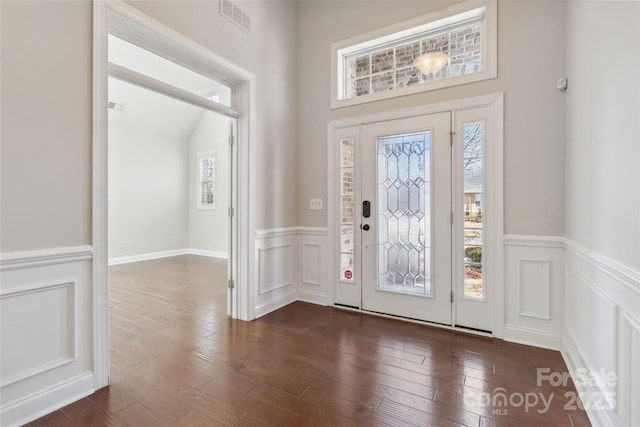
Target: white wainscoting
[
  {"x": 276, "y": 269},
  {"x": 46, "y": 355},
  {"x": 314, "y": 275},
  {"x": 534, "y": 290},
  {"x": 602, "y": 335},
  {"x": 290, "y": 266}
]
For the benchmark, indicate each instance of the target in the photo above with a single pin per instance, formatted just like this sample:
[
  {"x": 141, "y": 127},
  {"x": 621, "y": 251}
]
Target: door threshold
[{"x": 453, "y": 328}]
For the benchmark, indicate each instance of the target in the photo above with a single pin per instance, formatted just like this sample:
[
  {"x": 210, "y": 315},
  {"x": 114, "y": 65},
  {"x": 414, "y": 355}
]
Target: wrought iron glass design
[{"x": 404, "y": 213}]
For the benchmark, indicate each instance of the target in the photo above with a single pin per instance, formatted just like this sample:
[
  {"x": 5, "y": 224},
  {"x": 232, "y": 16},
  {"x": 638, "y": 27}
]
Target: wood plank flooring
[{"x": 177, "y": 360}]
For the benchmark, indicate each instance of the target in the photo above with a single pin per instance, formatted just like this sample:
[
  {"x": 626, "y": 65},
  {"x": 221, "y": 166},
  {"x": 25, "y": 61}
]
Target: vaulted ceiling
[{"x": 139, "y": 108}]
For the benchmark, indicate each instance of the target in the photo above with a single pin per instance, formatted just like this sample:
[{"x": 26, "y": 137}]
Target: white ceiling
[{"x": 146, "y": 110}]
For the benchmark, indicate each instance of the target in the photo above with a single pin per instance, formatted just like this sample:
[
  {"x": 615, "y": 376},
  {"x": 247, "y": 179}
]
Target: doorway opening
[
  {"x": 230, "y": 97},
  {"x": 169, "y": 189}
]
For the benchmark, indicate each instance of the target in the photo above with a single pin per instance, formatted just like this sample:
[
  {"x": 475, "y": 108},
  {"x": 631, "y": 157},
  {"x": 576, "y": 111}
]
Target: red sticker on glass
[{"x": 348, "y": 274}]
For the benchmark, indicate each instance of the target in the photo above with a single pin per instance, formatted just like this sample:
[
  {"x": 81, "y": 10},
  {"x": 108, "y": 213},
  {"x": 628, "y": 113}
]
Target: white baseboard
[
  {"x": 46, "y": 401},
  {"x": 276, "y": 303},
  {"x": 165, "y": 254},
  {"x": 573, "y": 360},
  {"x": 204, "y": 252},
  {"x": 312, "y": 297},
  {"x": 146, "y": 257},
  {"x": 533, "y": 337}
]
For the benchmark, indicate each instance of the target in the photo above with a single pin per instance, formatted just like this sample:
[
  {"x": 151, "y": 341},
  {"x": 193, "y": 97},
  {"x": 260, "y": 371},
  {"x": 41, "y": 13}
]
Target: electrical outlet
[
  {"x": 123, "y": 245},
  {"x": 315, "y": 204}
]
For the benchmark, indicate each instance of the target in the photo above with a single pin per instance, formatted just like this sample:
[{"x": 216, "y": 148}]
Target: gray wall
[
  {"x": 46, "y": 110},
  {"x": 530, "y": 59},
  {"x": 46, "y": 125},
  {"x": 209, "y": 228},
  {"x": 270, "y": 54},
  {"x": 148, "y": 195},
  {"x": 603, "y": 128}
]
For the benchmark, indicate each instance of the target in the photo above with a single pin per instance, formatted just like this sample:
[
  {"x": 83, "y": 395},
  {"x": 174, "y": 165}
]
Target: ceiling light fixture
[{"x": 431, "y": 62}]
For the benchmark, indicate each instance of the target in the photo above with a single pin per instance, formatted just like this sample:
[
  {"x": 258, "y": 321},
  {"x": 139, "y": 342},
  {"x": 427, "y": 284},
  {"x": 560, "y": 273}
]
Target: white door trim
[
  {"x": 494, "y": 162},
  {"x": 137, "y": 24}
]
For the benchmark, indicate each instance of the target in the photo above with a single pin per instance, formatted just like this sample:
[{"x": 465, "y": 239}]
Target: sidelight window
[
  {"x": 473, "y": 146},
  {"x": 347, "y": 208}
]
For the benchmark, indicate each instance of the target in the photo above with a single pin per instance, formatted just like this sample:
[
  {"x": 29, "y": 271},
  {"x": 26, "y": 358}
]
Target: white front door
[
  {"x": 405, "y": 217},
  {"x": 430, "y": 245}
]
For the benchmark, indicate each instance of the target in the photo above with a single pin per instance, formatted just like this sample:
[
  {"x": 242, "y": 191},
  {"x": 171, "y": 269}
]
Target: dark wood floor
[{"x": 176, "y": 359}]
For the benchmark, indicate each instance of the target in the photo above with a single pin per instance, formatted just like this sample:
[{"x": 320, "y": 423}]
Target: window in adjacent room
[{"x": 206, "y": 180}]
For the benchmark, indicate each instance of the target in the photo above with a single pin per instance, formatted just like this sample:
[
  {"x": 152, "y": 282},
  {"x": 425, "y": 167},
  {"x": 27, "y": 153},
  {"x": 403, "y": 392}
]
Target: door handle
[{"x": 365, "y": 227}]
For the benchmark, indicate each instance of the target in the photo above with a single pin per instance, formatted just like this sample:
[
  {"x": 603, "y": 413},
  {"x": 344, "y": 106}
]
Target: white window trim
[
  {"x": 203, "y": 155},
  {"x": 489, "y": 54}
]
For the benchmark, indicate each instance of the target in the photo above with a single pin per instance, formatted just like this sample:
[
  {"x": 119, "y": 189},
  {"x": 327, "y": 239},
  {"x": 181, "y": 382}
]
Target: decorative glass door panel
[
  {"x": 404, "y": 213},
  {"x": 405, "y": 242}
]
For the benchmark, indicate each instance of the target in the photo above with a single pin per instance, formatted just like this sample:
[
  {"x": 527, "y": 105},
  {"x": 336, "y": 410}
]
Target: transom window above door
[
  {"x": 135, "y": 58},
  {"x": 449, "y": 47}
]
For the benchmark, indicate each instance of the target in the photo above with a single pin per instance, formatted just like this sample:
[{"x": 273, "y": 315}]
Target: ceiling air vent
[{"x": 229, "y": 10}]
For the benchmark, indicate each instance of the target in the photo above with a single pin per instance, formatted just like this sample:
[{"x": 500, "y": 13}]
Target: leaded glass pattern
[
  {"x": 472, "y": 147},
  {"x": 404, "y": 188},
  {"x": 347, "y": 209}
]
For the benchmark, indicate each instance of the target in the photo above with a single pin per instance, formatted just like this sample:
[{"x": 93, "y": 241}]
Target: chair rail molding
[{"x": 42, "y": 257}]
